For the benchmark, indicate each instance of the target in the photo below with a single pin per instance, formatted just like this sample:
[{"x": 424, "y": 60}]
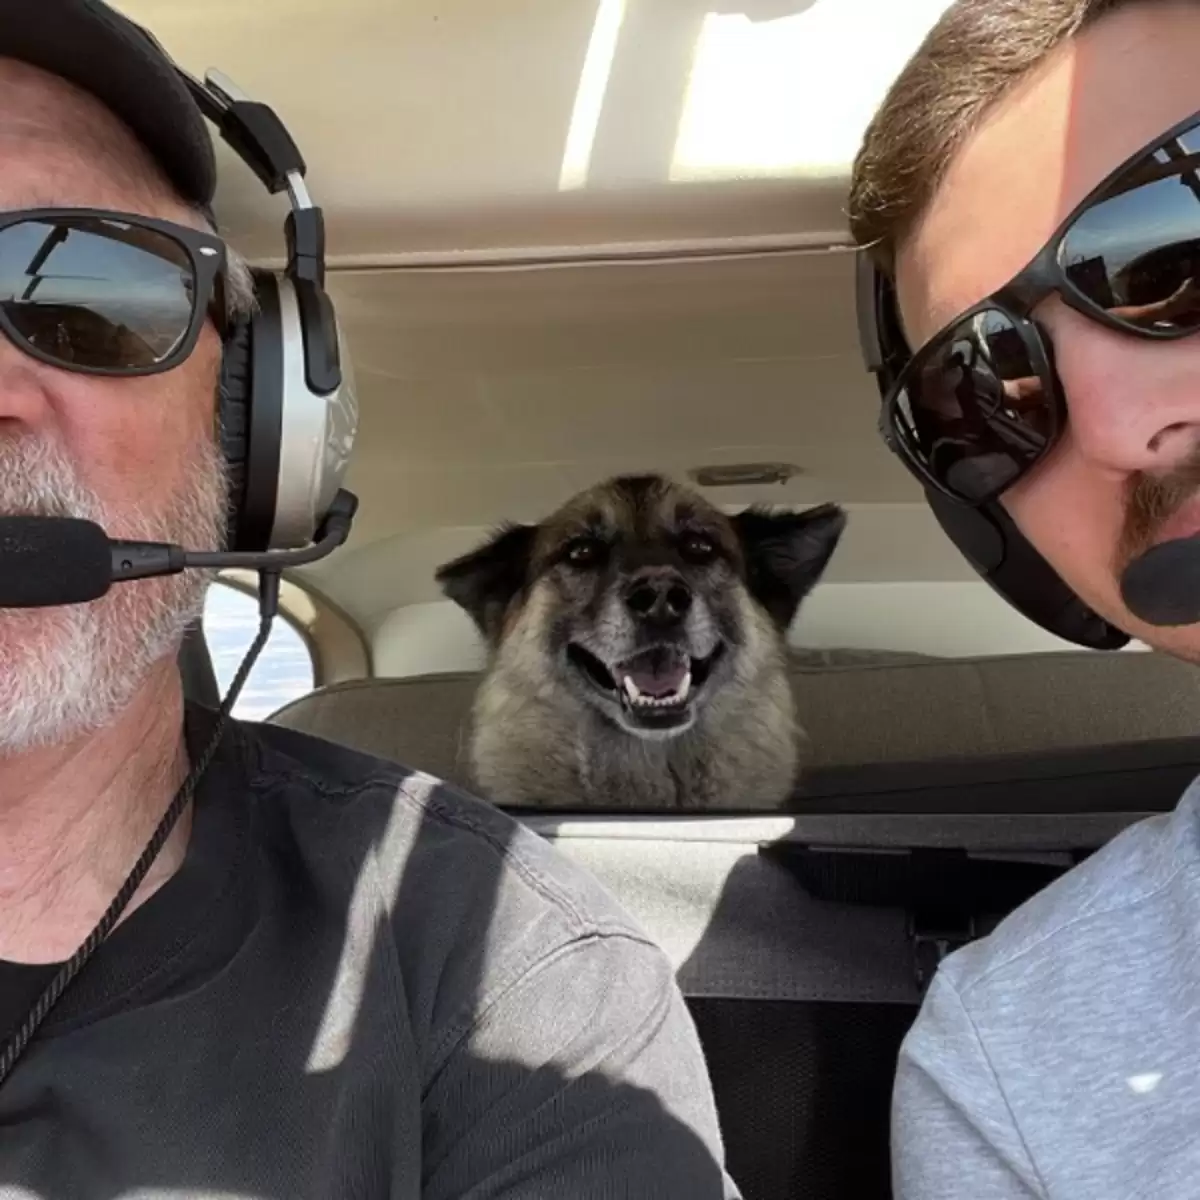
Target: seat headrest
[{"x": 857, "y": 707}]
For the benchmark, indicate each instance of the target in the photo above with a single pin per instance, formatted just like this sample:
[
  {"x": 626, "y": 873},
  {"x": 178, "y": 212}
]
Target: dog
[{"x": 637, "y": 650}]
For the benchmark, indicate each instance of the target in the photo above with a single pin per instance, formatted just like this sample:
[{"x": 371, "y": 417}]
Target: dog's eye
[
  {"x": 698, "y": 548},
  {"x": 584, "y": 552}
]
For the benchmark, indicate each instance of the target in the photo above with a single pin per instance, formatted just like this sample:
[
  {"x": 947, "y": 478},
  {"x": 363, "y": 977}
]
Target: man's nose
[
  {"x": 1133, "y": 404},
  {"x": 658, "y": 596},
  {"x": 24, "y": 399}
]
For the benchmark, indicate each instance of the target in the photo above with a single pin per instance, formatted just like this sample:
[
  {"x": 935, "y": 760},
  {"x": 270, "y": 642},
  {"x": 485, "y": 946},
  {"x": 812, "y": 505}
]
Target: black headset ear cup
[{"x": 234, "y": 422}]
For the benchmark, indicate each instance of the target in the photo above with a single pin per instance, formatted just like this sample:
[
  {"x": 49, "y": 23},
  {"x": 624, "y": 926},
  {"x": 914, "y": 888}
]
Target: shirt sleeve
[
  {"x": 584, "y": 1078},
  {"x": 953, "y": 1133}
]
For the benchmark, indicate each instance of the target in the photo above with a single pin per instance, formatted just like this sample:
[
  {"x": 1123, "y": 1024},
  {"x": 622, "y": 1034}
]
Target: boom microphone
[
  {"x": 1162, "y": 586},
  {"x": 50, "y": 561}
]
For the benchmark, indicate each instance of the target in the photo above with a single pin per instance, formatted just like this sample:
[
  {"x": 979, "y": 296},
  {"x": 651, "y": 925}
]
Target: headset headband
[{"x": 281, "y": 494}]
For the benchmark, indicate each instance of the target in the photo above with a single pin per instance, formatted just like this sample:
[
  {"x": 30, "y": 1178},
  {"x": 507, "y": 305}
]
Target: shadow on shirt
[{"x": 363, "y": 984}]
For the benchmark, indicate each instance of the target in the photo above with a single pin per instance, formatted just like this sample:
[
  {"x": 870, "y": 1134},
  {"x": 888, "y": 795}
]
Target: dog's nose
[{"x": 659, "y": 597}]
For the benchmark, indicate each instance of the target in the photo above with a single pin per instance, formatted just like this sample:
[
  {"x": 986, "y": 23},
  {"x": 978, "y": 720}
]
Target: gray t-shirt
[
  {"x": 1060, "y": 1056},
  {"x": 360, "y": 985}
]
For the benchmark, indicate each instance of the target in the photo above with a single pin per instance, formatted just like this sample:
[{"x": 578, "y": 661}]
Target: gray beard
[{"x": 67, "y": 672}]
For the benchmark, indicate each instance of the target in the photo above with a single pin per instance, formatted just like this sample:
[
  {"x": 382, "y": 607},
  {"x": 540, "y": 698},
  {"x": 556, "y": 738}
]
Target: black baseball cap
[{"x": 96, "y": 48}]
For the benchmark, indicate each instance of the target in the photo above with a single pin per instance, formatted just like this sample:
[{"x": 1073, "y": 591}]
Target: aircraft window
[{"x": 285, "y": 670}]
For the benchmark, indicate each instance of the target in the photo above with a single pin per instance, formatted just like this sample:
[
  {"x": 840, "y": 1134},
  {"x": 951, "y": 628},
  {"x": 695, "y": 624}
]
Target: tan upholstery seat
[{"x": 858, "y": 708}]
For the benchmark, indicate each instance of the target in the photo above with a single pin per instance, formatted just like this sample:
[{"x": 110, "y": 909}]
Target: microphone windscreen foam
[
  {"x": 47, "y": 561},
  {"x": 1162, "y": 586}
]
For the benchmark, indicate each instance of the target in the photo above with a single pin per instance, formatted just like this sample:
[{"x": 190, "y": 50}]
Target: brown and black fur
[{"x": 642, "y": 578}]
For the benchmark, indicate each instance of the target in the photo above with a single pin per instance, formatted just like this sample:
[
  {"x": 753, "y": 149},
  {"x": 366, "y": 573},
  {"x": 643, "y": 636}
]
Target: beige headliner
[{"x": 574, "y": 237}]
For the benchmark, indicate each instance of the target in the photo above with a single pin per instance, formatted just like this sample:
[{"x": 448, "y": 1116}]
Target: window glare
[{"x": 284, "y": 670}]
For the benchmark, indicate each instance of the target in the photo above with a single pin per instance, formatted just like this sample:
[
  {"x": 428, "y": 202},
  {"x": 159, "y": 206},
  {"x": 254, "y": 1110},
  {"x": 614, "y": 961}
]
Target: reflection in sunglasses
[
  {"x": 1025, "y": 393},
  {"x": 1183, "y": 302},
  {"x": 75, "y": 334}
]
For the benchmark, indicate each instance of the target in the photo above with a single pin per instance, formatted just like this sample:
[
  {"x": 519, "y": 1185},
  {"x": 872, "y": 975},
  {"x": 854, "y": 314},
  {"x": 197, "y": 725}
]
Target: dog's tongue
[{"x": 658, "y": 672}]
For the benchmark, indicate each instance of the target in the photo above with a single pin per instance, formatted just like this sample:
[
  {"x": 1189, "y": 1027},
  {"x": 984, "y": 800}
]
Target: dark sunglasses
[
  {"x": 106, "y": 293},
  {"x": 980, "y": 404}
]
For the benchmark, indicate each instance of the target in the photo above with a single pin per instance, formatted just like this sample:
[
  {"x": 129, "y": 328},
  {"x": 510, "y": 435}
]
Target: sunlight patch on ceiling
[
  {"x": 792, "y": 96},
  {"x": 589, "y": 98}
]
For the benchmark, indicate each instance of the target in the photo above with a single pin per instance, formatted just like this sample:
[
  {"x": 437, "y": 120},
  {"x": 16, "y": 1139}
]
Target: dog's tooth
[
  {"x": 684, "y": 688},
  {"x": 632, "y": 690}
]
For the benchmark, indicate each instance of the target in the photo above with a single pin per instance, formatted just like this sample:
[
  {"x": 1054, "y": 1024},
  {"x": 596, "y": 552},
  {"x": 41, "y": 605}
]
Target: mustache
[
  {"x": 38, "y": 480},
  {"x": 1153, "y": 500}
]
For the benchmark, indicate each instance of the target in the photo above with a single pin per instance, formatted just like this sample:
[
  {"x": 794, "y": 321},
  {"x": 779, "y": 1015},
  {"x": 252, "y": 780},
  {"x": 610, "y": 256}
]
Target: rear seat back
[{"x": 858, "y": 707}]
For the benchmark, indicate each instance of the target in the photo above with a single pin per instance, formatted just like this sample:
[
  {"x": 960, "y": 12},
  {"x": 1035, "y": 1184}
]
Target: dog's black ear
[
  {"x": 486, "y": 581},
  {"x": 786, "y": 554}
]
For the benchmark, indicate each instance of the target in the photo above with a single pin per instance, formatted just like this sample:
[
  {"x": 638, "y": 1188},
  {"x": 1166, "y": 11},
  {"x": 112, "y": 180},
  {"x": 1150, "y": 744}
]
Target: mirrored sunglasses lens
[
  {"x": 92, "y": 292},
  {"x": 1135, "y": 252},
  {"x": 974, "y": 411}
]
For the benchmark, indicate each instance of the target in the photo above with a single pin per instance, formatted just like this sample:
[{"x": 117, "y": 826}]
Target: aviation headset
[
  {"x": 287, "y": 410},
  {"x": 985, "y": 534}
]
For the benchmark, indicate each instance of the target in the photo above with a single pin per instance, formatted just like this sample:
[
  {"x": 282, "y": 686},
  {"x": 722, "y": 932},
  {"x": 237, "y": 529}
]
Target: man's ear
[
  {"x": 486, "y": 581},
  {"x": 786, "y": 554}
]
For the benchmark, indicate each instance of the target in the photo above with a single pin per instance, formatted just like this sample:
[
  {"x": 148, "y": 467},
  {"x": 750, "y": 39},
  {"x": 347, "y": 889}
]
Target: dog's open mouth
[{"x": 656, "y": 688}]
